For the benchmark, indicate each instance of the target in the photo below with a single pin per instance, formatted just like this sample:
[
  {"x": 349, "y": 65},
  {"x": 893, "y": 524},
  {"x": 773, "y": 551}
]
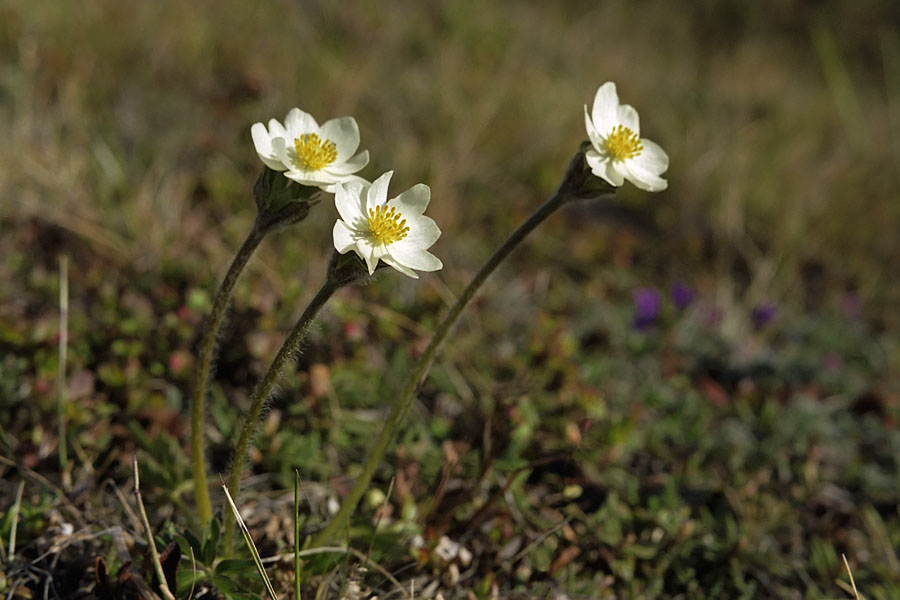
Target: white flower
[
  {"x": 394, "y": 231},
  {"x": 309, "y": 154},
  {"x": 618, "y": 152}
]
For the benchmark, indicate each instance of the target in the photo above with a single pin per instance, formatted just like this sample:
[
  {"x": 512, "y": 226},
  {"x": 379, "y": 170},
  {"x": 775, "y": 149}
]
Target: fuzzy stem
[
  {"x": 264, "y": 389},
  {"x": 202, "y": 371},
  {"x": 567, "y": 190}
]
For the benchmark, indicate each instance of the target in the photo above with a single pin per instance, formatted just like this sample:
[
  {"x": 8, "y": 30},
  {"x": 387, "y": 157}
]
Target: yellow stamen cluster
[
  {"x": 313, "y": 153},
  {"x": 386, "y": 226},
  {"x": 622, "y": 143}
]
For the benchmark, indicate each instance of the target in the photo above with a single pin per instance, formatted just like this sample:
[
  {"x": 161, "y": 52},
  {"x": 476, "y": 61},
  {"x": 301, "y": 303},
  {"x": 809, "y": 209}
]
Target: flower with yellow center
[
  {"x": 309, "y": 154},
  {"x": 618, "y": 152},
  {"x": 394, "y": 231}
]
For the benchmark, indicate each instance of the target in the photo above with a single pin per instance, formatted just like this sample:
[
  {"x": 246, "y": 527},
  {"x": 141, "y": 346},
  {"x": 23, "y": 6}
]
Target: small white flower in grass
[
  {"x": 618, "y": 152},
  {"x": 309, "y": 154},
  {"x": 394, "y": 230}
]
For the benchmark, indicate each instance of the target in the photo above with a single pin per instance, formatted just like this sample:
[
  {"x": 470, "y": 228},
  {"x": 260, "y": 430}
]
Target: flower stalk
[
  {"x": 204, "y": 362},
  {"x": 571, "y": 188},
  {"x": 342, "y": 270},
  {"x": 280, "y": 203}
]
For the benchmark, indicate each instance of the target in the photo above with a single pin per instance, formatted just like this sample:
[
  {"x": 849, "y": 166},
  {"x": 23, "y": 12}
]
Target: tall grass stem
[{"x": 61, "y": 392}]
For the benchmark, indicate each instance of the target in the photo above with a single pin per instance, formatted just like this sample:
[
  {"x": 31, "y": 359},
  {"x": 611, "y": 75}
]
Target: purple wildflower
[
  {"x": 763, "y": 314},
  {"x": 682, "y": 295},
  {"x": 647, "y": 304}
]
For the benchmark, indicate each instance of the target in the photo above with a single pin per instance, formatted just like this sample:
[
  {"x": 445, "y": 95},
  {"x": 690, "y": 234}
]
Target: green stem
[
  {"x": 204, "y": 362},
  {"x": 402, "y": 403},
  {"x": 264, "y": 389}
]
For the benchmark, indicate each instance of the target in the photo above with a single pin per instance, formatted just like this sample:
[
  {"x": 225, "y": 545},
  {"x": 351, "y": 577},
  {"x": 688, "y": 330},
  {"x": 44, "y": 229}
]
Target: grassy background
[{"x": 703, "y": 457}]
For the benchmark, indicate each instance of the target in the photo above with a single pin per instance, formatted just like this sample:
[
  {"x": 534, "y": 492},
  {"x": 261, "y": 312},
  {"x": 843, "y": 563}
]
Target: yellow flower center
[
  {"x": 386, "y": 226},
  {"x": 622, "y": 143},
  {"x": 313, "y": 153}
]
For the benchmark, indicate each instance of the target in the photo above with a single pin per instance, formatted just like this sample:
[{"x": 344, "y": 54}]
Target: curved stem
[
  {"x": 404, "y": 399},
  {"x": 204, "y": 362},
  {"x": 264, "y": 389}
]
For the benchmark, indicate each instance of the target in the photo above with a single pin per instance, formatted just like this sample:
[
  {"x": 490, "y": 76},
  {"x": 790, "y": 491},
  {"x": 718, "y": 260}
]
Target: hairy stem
[
  {"x": 202, "y": 371},
  {"x": 567, "y": 190},
  {"x": 264, "y": 389}
]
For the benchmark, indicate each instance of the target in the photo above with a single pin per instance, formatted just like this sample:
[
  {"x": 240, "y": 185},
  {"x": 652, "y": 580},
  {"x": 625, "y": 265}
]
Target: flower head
[
  {"x": 682, "y": 295},
  {"x": 309, "y": 154},
  {"x": 394, "y": 230},
  {"x": 763, "y": 314},
  {"x": 647, "y": 305},
  {"x": 618, "y": 152}
]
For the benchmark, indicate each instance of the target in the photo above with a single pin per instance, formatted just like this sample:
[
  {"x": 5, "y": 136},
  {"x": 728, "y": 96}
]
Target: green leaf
[{"x": 211, "y": 535}]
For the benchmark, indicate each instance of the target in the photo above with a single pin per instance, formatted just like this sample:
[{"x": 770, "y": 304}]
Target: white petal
[
  {"x": 276, "y": 129},
  {"x": 313, "y": 179},
  {"x": 351, "y": 165},
  {"x": 595, "y": 161},
  {"x": 605, "y": 104},
  {"x": 316, "y": 176},
  {"x": 592, "y": 132},
  {"x": 348, "y": 203},
  {"x": 644, "y": 179},
  {"x": 345, "y": 179},
  {"x": 263, "y": 144},
  {"x": 280, "y": 149},
  {"x": 413, "y": 201},
  {"x": 368, "y": 252},
  {"x": 653, "y": 158},
  {"x": 423, "y": 231},
  {"x": 400, "y": 267},
  {"x": 273, "y": 163},
  {"x": 603, "y": 168},
  {"x": 343, "y": 237},
  {"x": 378, "y": 192},
  {"x": 617, "y": 168},
  {"x": 344, "y": 132},
  {"x": 261, "y": 139},
  {"x": 414, "y": 257},
  {"x": 298, "y": 122},
  {"x": 628, "y": 116}
]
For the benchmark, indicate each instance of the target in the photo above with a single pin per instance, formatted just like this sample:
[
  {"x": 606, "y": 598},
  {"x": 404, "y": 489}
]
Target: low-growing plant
[{"x": 303, "y": 163}]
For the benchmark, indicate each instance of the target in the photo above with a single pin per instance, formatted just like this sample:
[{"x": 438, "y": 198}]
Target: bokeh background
[{"x": 729, "y": 441}]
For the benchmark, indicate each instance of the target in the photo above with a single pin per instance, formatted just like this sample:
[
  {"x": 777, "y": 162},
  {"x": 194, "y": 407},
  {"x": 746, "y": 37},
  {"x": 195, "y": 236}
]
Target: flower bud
[{"x": 280, "y": 201}]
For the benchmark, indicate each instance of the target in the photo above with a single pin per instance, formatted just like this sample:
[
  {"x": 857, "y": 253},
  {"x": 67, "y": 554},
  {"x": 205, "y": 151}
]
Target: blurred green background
[{"x": 127, "y": 148}]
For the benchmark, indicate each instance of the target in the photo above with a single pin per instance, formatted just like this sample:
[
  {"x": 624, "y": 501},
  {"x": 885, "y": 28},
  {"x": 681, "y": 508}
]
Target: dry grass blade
[
  {"x": 154, "y": 555},
  {"x": 250, "y": 545},
  {"x": 850, "y": 573}
]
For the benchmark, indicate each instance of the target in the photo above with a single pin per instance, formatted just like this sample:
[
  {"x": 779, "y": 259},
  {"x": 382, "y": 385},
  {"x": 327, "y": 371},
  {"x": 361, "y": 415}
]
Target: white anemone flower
[
  {"x": 618, "y": 151},
  {"x": 309, "y": 154},
  {"x": 394, "y": 230}
]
